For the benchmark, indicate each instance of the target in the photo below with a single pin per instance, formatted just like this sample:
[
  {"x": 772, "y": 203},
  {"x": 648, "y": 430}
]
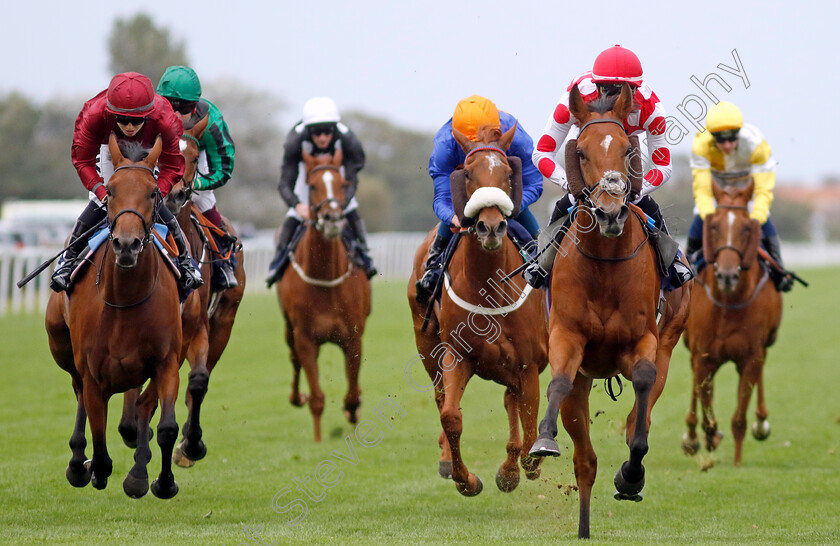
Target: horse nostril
[
  {"x": 502, "y": 226},
  {"x": 481, "y": 228},
  {"x": 135, "y": 245}
]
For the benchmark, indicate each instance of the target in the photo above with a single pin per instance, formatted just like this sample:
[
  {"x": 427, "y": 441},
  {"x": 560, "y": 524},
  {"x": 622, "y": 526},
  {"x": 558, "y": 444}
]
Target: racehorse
[
  {"x": 604, "y": 293},
  {"x": 734, "y": 317},
  {"x": 474, "y": 331},
  {"x": 324, "y": 297},
  {"x": 121, "y": 327},
  {"x": 206, "y": 324}
]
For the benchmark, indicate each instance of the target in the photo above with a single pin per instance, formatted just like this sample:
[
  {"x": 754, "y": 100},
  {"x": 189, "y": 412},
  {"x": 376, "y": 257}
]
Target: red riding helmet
[
  {"x": 130, "y": 94},
  {"x": 617, "y": 65}
]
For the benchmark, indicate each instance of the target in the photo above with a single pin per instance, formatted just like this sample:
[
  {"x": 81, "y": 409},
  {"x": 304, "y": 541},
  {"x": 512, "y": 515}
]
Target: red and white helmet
[
  {"x": 130, "y": 94},
  {"x": 617, "y": 65}
]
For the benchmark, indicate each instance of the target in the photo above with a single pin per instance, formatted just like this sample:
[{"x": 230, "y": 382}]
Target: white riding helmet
[{"x": 320, "y": 110}]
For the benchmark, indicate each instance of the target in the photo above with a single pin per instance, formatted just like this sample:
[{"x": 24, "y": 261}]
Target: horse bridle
[
  {"x": 147, "y": 227},
  {"x": 737, "y": 250},
  {"x": 587, "y": 190},
  {"x": 316, "y": 209}
]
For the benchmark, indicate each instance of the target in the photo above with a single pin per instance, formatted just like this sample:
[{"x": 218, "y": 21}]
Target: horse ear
[
  {"x": 114, "y": 148},
  {"x": 708, "y": 245},
  {"x": 461, "y": 139},
  {"x": 152, "y": 158},
  {"x": 308, "y": 161},
  {"x": 507, "y": 138},
  {"x": 198, "y": 129},
  {"x": 717, "y": 191},
  {"x": 577, "y": 106},
  {"x": 338, "y": 158},
  {"x": 625, "y": 103}
]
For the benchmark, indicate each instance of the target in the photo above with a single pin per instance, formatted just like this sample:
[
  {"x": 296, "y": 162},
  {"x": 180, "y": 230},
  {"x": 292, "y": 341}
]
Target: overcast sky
[{"x": 412, "y": 61}]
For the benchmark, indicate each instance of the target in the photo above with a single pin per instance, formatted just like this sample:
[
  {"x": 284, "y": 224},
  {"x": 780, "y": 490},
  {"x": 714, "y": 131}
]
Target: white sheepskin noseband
[{"x": 488, "y": 197}]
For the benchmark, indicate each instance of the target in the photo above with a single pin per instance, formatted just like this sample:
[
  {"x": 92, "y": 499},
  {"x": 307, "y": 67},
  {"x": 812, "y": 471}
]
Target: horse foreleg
[
  {"x": 529, "y": 405},
  {"x": 507, "y": 477},
  {"x": 296, "y": 398},
  {"x": 136, "y": 483},
  {"x": 690, "y": 443},
  {"x": 76, "y": 473},
  {"x": 749, "y": 374},
  {"x": 445, "y": 461},
  {"x": 761, "y": 428},
  {"x": 565, "y": 354},
  {"x": 630, "y": 478},
  {"x": 575, "y": 415},
  {"x": 352, "y": 362},
  {"x": 307, "y": 353},
  {"x": 454, "y": 382},
  {"x": 704, "y": 378},
  {"x": 96, "y": 407},
  {"x": 167, "y": 380},
  {"x": 192, "y": 447}
]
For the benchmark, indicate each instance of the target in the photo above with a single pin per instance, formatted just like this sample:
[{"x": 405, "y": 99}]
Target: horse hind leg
[
  {"x": 690, "y": 442},
  {"x": 192, "y": 447},
  {"x": 296, "y": 398},
  {"x": 507, "y": 477},
  {"x": 630, "y": 478},
  {"x": 128, "y": 421},
  {"x": 307, "y": 353},
  {"x": 749, "y": 374},
  {"x": 529, "y": 403},
  {"x": 575, "y": 415}
]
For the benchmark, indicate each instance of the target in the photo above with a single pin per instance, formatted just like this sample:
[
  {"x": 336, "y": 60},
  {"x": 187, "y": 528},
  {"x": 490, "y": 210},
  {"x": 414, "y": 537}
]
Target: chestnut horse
[
  {"x": 734, "y": 317},
  {"x": 121, "y": 327},
  {"x": 323, "y": 296},
  {"x": 604, "y": 293},
  {"x": 478, "y": 331}
]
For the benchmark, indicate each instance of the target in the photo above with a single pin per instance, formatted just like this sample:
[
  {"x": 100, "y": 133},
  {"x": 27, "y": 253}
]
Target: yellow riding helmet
[
  {"x": 472, "y": 113},
  {"x": 724, "y": 116}
]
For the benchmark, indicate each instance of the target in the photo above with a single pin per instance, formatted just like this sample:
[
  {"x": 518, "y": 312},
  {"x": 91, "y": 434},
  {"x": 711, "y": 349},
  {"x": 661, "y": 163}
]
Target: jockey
[
  {"x": 612, "y": 68},
  {"x": 320, "y": 132},
  {"x": 181, "y": 87},
  {"x": 447, "y": 156},
  {"x": 729, "y": 149},
  {"x": 130, "y": 109}
]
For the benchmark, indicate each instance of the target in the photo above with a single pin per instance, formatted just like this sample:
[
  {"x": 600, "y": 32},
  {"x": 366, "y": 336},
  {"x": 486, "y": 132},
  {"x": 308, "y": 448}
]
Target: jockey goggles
[
  {"x": 129, "y": 120},
  {"x": 730, "y": 135},
  {"x": 321, "y": 128},
  {"x": 183, "y": 107},
  {"x": 608, "y": 89}
]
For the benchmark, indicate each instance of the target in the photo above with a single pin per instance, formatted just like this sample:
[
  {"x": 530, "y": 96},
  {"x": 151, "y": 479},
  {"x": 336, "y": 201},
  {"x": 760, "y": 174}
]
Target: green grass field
[{"x": 786, "y": 491}]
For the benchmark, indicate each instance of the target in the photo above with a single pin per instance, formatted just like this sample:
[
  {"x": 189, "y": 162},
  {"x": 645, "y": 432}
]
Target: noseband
[
  {"x": 587, "y": 190},
  {"x": 147, "y": 227},
  {"x": 316, "y": 209},
  {"x": 737, "y": 250}
]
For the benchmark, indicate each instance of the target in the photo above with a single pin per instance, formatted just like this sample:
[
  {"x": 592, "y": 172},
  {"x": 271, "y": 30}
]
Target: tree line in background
[{"x": 395, "y": 190}]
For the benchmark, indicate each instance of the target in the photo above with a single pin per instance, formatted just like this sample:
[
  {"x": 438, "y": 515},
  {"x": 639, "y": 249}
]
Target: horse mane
[
  {"x": 134, "y": 151},
  {"x": 602, "y": 104}
]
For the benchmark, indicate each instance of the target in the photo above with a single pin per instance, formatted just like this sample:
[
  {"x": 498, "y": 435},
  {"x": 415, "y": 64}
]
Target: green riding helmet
[{"x": 180, "y": 82}]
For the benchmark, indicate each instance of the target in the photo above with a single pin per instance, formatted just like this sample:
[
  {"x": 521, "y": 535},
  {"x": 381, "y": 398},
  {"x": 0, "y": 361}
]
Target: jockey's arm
[
  {"x": 353, "y": 162},
  {"x": 544, "y": 157},
  {"x": 764, "y": 180},
  {"x": 289, "y": 169},
  {"x": 442, "y": 163},
  {"x": 83, "y": 152},
  {"x": 532, "y": 181},
  {"x": 660, "y": 154},
  {"x": 701, "y": 173},
  {"x": 219, "y": 149}
]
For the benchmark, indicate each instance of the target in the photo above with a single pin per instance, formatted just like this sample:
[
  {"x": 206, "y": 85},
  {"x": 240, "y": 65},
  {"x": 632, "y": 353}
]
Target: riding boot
[
  {"x": 90, "y": 217},
  {"x": 694, "y": 253},
  {"x": 538, "y": 272},
  {"x": 782, "y": 281},
  {"x": 668, "y": 249},
  {"x": 60, "y": 280},
  {"x": 190, "y": 276},
  {"x": 426, "y": 284},
  {"x": 361, "y": 251},
  {"x": 281, "y": 255},
  {"x": 225, "y": 269}
]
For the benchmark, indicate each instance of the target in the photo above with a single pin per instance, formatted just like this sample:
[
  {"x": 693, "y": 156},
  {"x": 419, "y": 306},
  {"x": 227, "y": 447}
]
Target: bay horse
[
  {"x": 474, "y": 332},
  {"x": 121, "y": 327},
  {"x": 604, "y": 293},
  {"x": 324, "y": 298},
  {"x": 735, "y": 316}
]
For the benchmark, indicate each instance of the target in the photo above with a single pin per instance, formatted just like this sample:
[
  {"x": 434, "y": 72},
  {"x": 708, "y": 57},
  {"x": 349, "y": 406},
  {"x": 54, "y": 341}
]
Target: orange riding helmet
[{"x": 474, "y": 112}]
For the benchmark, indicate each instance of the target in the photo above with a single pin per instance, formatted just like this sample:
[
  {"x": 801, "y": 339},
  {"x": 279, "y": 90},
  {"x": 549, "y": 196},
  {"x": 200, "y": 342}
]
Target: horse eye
[
  {"x": 467, "y": 174},
  {"x": 580, "y": 153},
  {"x": 107, "y": 191}
]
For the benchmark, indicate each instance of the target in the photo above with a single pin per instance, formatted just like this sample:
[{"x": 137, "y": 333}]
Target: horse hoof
[
  {"x": 300, "y": 400},
  {"x": 164, "y": 492},
  {"x": 97, "y": 483},
  {"x": 690, "y": 446},
  {"x": 180, "y": 458},
  {"x": 135, "y": 487},
  {"x": 505, "y": 483},
  {"x": 445, "y": 470},
  {"x": 78, "y": 479},
  {"x": 761, "y": 430},
  {"x": 713, "y": 441},
  {"x": 545, "y": 447},
  {"x": 627, "y": 490},
  {"x": 194, "y": 451},
  {"x": 129, "y": 436},
  {"x": 468, "y": 491}
]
